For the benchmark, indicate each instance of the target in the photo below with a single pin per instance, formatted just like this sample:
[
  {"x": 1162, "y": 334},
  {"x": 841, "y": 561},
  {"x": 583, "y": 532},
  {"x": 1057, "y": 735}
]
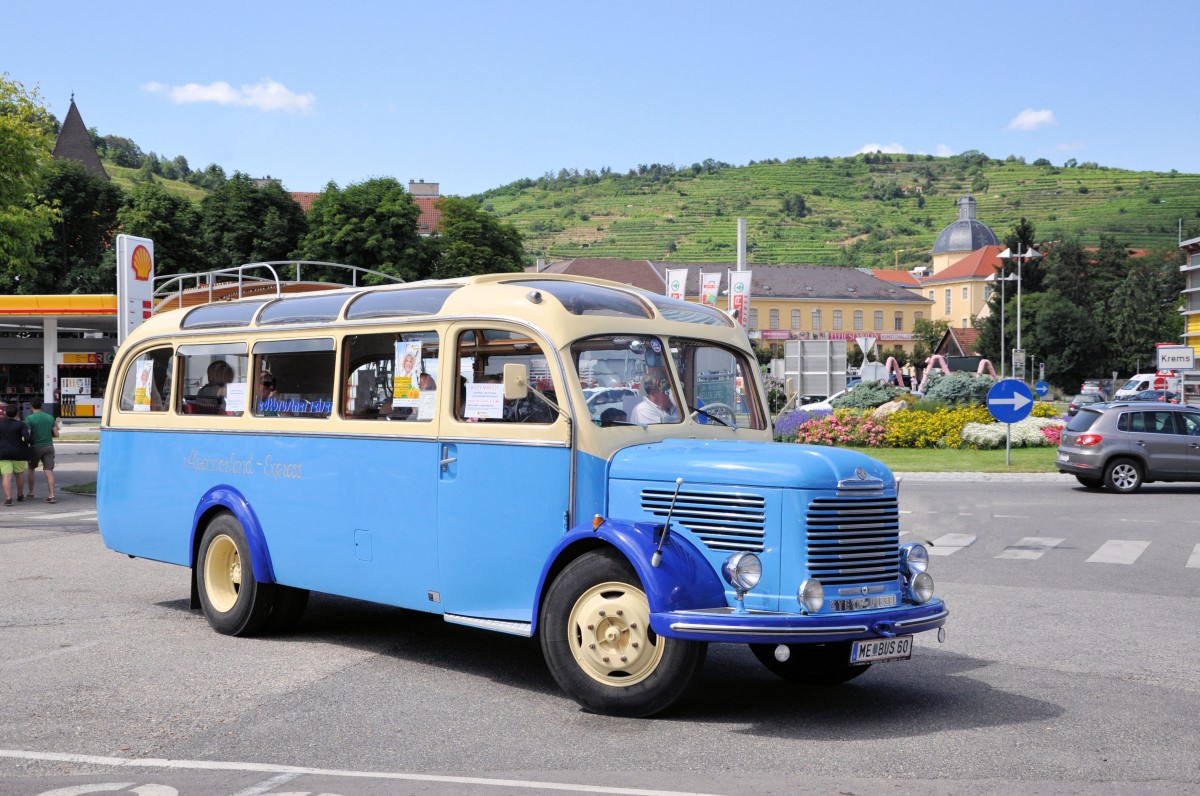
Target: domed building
[{"x": 966, "y": 235}]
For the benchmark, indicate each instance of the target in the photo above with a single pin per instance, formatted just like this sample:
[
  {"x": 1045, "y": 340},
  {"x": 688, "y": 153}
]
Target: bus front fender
[
  {"x": 233, "y": 501},
  {"x": 684, "y": 579}
]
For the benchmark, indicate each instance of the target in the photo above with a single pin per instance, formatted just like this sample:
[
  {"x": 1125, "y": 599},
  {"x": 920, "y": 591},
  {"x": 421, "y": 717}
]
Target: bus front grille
[
  {"x": 723, "y": 521},
  {"x": 853, "y": 539}
]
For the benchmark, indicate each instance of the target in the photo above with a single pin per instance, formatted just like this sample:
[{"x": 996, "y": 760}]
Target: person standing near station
[
  {"x": 14, "y": 451},
  {"x": 43, "y": 428}
]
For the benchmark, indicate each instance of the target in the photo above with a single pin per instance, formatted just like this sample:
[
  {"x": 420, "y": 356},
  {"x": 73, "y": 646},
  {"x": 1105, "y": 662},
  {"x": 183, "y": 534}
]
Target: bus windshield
[{"x": 626, "y": 380}]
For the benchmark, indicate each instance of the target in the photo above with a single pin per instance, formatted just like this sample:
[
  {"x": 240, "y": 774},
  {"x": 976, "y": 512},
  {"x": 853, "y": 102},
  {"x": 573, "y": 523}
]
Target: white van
[{"x": 1136, "y": 383}]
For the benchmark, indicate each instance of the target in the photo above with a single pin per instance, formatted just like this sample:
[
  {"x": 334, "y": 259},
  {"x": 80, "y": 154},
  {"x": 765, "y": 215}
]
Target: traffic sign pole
[{"x": 1010, "y": 401}]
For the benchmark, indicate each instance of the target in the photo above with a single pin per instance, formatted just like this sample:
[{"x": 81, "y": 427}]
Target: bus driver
[{"x": 656, "y": 407}]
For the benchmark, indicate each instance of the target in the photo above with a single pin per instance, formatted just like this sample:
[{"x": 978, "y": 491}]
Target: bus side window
[
  {"x": 484, "y": 354},
  {"x": 214, "y": 379},
  {"x": 147, "y": 383},
  {"x": 294, "y": 378},
  {"x": 391, "y": 376}
]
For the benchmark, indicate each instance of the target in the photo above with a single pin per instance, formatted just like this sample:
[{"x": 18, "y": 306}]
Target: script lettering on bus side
[{"x": 235, "y": 465}]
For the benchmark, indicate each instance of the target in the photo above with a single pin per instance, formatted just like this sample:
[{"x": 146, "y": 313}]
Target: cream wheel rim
[
  {"x": 223, "y": 573},
  {"x": 610, "y": 636}
]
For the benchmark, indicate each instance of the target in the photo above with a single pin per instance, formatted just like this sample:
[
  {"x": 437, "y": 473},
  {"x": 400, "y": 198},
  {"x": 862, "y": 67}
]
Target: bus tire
[
  {"x": 596, "y": 638},
  {"x": 288, "y": 610},
  {"x": 234, "y": 603},
  {"x": 810, "y": 664}
]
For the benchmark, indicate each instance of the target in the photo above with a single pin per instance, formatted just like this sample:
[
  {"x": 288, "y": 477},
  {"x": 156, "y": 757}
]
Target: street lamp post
[
  {"x": 1030, "y": 254},
  {"x": 1002, "y": 280}
]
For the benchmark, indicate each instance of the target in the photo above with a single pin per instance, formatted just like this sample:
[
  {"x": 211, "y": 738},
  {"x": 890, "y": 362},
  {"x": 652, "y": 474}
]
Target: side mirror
[{"x": 516, "y": 381}]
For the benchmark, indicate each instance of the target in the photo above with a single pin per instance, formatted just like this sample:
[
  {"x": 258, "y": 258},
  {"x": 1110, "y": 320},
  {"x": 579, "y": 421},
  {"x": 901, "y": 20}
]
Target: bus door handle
[{"x": 448, "y": 457}]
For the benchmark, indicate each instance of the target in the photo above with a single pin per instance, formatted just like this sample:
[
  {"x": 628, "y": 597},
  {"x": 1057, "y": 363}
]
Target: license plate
[
  {"x": 863, "y": 603},
  {"x": 1062, "y": 457},
  {"x": 881, "y": 649}
]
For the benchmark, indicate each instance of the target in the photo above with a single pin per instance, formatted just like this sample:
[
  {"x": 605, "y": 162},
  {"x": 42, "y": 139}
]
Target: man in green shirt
[{"x": 43, "y": 429}]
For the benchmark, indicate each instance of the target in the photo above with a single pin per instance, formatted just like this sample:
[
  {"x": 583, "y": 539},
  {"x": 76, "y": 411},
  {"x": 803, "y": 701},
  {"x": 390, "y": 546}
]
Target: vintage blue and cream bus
[{"x": 565, "y": 458}]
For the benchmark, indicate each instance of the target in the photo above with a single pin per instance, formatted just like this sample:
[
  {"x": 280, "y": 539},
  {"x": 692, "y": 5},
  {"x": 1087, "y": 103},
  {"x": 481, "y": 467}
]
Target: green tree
[
  {"x": 26, "y": 130},
  {"x": 171, "y": 221},
  {"x": 1070, "y": 338},
  {"x": 372, "y": 224},
  {"x": 472, "y": 241},
  {"x": 123, "y": 151},
  {"x": 242, "y": 223},
  {"x": 78, "y": 258}
]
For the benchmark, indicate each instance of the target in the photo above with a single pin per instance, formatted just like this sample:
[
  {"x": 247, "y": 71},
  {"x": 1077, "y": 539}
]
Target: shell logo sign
[
  {"x": 135, "y": 283},
  {"x": 143, "y": 263}
]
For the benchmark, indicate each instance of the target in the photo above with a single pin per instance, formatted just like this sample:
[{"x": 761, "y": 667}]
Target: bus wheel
[
  {"x": 596, "y": 638},
  {"x": 234, "y": 602},
  {"x": 813, "y": 664}
]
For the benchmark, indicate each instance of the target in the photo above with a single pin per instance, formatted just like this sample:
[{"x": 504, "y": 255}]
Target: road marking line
[
  {"x": 1194, "y": 561},
  {"x": 1030, "y": 548},
  {"x": 267, "y": 785},
  {"x": 51, "y": 654},
  {"x": 1010, "y": 517},
  {"x": 1118, "y": 551},
  {"x": 951, "y": 543},
  {"x": 216, "y": 765}
]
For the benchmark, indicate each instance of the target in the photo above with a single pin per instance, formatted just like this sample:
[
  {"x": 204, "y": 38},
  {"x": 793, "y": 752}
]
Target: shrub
[
  {"x": 866, "y": 395},
  {"x": 960, "y": 388},
  {"x": 842, "y": 428},
  {"x": 787, "y": 424},
  {"x": 937, "y": 428},
  {"x": 1029, "y": 433}
]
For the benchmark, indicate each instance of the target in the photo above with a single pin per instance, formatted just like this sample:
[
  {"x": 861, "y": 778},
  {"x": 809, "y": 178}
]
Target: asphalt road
[{"x": 1069, "y": 667}]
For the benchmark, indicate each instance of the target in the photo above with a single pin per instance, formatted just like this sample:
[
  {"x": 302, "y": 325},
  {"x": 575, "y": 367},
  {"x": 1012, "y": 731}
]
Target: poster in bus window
[
  {"x": 406, "y": 391},
  {"x": 145, "y": 385}
]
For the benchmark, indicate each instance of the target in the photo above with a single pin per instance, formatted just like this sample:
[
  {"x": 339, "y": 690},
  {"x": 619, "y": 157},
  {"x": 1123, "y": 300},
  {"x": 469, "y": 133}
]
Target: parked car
[
  {"x": 827, "y": 404},
  {"x": 1083, "y": 399},
  {"x": 1125, "y": 444},
  {"x": 1162, "y": 396},
  {"x": 607, "y": 398}
]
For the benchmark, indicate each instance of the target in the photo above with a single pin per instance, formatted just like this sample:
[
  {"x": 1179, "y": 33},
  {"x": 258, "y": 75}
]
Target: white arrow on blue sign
[
  {"x": 1010, "y": 401},
  {"x": 1041, "y": 388}
]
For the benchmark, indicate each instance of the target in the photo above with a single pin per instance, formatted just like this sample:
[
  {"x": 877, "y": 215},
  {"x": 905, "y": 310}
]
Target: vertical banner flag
[
  {"x": 739, "y": 296},
  {"x": 676, "y": 282},
  {"x": 135, "y": 283},
  {"x": 709, "y": 285}
]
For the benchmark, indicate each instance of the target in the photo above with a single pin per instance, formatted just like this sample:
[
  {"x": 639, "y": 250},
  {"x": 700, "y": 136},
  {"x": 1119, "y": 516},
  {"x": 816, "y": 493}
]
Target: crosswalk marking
[
  {"x": 1030, "y": 548},
  {"x": 1118, "y": 551},
  {"x": 951, "y": 543},
  {"x": 1194, "y": 561}
]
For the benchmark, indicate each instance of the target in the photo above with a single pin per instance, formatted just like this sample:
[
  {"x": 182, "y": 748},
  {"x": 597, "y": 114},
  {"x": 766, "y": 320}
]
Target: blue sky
[{"x": 474, "y": 95}]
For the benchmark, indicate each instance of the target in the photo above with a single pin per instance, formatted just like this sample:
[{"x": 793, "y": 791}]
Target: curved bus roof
[{"x": 563, "y": 306}]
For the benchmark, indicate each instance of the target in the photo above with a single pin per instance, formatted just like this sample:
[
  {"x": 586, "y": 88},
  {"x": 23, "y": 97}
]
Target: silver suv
[{"x": 1122, "y": 445}]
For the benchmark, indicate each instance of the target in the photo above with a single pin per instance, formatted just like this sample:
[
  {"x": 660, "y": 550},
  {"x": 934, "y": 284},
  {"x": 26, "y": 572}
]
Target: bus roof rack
[{"x": 176, "y": 291}]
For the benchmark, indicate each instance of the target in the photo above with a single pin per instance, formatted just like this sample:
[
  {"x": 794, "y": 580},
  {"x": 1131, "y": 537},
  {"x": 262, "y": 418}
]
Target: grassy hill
[
  {"x": 868, "y": 210},
  {"x": 125, "y": 178}
]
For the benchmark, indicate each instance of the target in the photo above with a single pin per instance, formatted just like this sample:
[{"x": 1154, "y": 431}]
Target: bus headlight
[
  {"x": 914, "y": 557},
  {"x": 920, "y": 587},
  {"x": 812, "y": 595},
  {"x": 742, "y": 571}
]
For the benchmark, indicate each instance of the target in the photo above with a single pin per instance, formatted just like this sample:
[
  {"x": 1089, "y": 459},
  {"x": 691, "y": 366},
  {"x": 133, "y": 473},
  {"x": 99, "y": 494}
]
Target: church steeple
[{"x": 74, "y": 143}]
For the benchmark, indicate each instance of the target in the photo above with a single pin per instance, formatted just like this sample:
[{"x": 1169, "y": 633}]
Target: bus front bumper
[{"x": 769, "y": 627}]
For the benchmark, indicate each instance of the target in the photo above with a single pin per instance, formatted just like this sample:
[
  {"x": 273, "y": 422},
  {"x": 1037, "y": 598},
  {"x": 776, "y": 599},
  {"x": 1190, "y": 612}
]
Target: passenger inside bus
[{"x": 211, "y": 397}]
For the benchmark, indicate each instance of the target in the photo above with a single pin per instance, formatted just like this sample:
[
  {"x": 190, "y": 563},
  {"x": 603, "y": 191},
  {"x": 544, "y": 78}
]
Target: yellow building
[
  {"x": 960, "y": 292},
  {"x": 800, "y": 302}
]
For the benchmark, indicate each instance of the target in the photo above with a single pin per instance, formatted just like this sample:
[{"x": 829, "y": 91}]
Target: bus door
[{"x": 503, "y": 478}]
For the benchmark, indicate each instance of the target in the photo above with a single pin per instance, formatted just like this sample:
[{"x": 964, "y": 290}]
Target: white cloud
[
  {"x": 890, "y": 149},
  {"x": 268, "y": 95},
  {"x": 1029, "y": 119},
  {"x": 944, "y": 151}
]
